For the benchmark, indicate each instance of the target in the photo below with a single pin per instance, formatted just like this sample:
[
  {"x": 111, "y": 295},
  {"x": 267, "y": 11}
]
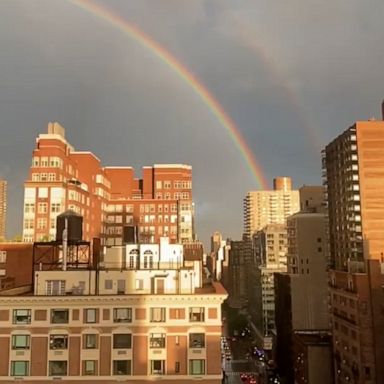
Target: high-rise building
[
  {"x": 239, "y": 271},
  {"x": 353, "y": 166},
  {"x": 301, "y": 295},
  {"x": 116, "y": 206},
  {"x": 3, "y": 208},
  {"x": 145, "y": 314},
  {"x": 270, "y": 207},
  {"x": 270, "y": 247}
]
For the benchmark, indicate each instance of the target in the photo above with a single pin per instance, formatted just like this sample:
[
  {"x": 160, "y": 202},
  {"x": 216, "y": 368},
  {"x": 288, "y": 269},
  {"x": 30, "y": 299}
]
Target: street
[{"x": 236, "y": 361}]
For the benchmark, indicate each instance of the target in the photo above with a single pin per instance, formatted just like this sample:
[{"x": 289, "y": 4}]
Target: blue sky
[{"x": 292, "y": 75}]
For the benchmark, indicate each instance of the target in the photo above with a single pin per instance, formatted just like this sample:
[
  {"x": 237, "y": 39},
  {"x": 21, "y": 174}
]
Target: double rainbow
[{"x": 187, "y": 76}]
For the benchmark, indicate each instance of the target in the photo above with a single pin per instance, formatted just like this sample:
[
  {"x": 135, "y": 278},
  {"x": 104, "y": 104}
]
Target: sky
[{"x": 292, "y": 75}]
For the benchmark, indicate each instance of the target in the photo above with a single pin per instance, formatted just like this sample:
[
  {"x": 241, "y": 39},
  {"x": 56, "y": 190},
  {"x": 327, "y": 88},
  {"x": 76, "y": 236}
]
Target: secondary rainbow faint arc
[{"x": 165, "y": 56}]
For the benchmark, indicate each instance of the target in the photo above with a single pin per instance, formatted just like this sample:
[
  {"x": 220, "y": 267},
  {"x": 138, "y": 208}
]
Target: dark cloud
[{"x": 292, "y": 75}]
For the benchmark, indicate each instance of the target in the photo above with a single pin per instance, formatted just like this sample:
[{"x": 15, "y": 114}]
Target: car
[
  {"x": 243, "y": 376},
  {"x": 252, "y": 380}
]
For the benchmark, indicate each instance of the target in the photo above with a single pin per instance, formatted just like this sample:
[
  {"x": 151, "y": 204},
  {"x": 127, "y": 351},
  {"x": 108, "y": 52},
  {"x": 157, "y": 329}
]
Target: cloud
[{"x": 282, "y": 70}]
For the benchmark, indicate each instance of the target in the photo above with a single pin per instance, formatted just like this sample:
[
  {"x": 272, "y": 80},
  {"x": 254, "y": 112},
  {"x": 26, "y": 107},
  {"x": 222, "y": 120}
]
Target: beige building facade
[{"x": 143, "y": 316}]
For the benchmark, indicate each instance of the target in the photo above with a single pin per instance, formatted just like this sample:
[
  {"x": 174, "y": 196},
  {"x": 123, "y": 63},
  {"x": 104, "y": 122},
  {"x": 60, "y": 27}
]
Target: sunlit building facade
[
  {"x": 144, "y": 315},
  {"x": 353, "y": 166},
  {"x": 110, "y": 199},
  {"x": 270, "y": 207}
]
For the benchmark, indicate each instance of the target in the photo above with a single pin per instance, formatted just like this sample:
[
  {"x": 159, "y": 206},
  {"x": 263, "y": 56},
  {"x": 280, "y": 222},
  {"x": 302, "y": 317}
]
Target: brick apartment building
[
  {"x": 109, "y": 198},
  {"x": 144, "y": 315},
  {"x": 353, "y": 165}
]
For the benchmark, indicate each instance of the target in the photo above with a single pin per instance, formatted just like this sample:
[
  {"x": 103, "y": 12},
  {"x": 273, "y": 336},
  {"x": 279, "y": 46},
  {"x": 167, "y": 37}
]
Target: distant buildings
[
  {"x": 270, "y": 246},
  {"x": 265, "y": 214},
  {"x": 301, "y": 295},
  {"x": 218, "y": 259},
  {"x": 3, "y": 208},
  {"x": 270, "y": 207},
  {"x": 353, "y": 166},
  {"x": 111, "y": 199},
  {"x": 241, "y": 261}
]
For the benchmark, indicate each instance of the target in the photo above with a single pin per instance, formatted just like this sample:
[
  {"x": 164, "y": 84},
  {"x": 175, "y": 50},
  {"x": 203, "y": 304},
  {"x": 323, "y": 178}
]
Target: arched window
[{"x": 148, "y": 259}]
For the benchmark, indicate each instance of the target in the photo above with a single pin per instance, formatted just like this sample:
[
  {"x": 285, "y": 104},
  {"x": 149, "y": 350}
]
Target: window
[
  {"x": 41, "y": 223},
  {"x": 29, "y": 223},
  {"x": 122, "y": 341},
  {"x": 57, "y": 368},
  {"x": 42, "y": 208},
  {"x": 90, "y": 315},
  {"x": 197, "y": 340},
  {"x": 139, "y": 284},
  {"x": 20, "y": 341},
  {"x": 89, "y": 367},
  {"x": 55, "y": 287},
  {"x": 58, "y": 342},
  {"x": 59, "y": 316},
  {"x": 3, "y": 256},
  {"x": 121, "y": 286},
  {"x": 29, "y": 207},
  {"x": 196, "y": 314},
  {"x": 157, "y": 315},
  {"x": 19, "y": 368},
  {"x": 121, "y": 367},
  {"x": 35, "y": 161},
  {"x": 157, "y": 367},
  {"x": 55, "y": 207},
  {"x": 108, "y": 284},
  {"x": 51, "y": 176},
  {"x": 21, "y": 316},
  {"x": 44, "y": 162},
  {"x": 90, "y": 341},
  {"x": 122, "y": 315},
  {"x": 196, "y": 367},
  {"x": 157, "y": 340}
]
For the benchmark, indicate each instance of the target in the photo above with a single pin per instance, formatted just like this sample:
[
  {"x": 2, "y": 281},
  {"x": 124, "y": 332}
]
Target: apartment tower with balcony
[{"x": 353, "y": 166}]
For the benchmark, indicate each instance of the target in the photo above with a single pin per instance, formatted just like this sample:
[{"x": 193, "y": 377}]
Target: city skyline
[{"x": 288, "y": 92}]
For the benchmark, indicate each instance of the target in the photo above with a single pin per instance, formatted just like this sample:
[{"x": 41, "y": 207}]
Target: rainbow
[
  {"x": 243, "y": 33},
  {"x": 187, "y": 76}
]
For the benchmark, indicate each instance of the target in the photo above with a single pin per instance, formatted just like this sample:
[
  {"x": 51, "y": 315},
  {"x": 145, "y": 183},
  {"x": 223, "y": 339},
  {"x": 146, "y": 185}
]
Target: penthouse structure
[
  {"x": 110, "y": 199},
  {"x": 140, "y": 313},
  {"x": 353, "y": 166}
]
